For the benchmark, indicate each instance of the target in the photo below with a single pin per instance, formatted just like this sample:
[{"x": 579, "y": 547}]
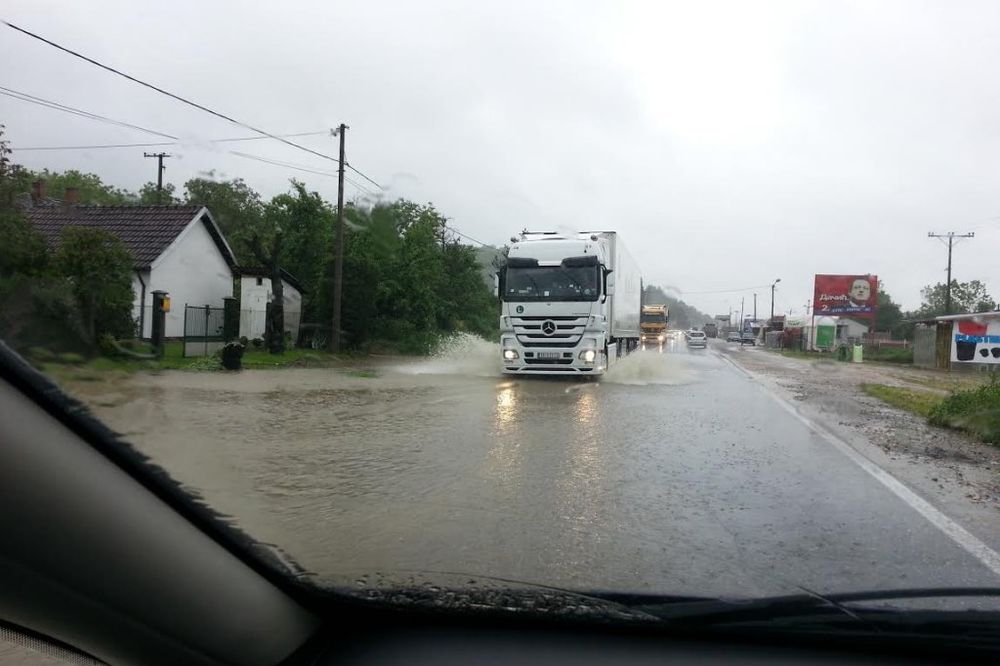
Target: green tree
[
  {"x": 307, "y": 223},
  {"x": 682, "y": 315},
  {"x": 965, "y": 297},
  {"x": 22, "y": 249},
  {"x": 888, "y": 314},
  {"x": 92, "y": 190},
  {"x": 148, "y": 195},
  {"x": 234, "y": 205},
  {"x": 98, "y": 268}
]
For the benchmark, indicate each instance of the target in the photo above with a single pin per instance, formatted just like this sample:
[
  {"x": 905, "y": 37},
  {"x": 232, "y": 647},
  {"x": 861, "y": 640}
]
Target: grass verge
[
  {"x": 976, "y": 412},
  {"x": 911, "y": 400}
]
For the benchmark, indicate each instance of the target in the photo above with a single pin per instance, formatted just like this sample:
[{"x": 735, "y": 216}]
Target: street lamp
[{"x": 772, "y": 299}]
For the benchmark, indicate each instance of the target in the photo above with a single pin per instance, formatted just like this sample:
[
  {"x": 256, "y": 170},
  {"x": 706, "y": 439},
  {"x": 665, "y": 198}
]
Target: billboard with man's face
[{"x": 851, "y": 295}]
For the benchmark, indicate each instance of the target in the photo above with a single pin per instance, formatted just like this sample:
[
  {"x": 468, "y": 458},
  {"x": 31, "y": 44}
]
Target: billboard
[
  {"x": 850, "y": 295},
  {"x": 976, "y": 341}
]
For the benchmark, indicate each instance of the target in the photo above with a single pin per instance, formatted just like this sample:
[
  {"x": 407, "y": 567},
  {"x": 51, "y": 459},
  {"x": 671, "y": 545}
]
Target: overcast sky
[{"x": 729, "y": 143}]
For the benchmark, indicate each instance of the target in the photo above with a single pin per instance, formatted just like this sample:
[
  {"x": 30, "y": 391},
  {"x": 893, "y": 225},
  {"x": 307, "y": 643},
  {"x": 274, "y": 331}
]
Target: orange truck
[{"x": 653, "y": 324}]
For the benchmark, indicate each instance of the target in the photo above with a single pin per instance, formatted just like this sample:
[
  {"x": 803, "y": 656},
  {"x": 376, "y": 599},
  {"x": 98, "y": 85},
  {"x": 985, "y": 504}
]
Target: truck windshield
[
  {"x": 552, "y": 283},
  {"x": 653, "y": 318}
]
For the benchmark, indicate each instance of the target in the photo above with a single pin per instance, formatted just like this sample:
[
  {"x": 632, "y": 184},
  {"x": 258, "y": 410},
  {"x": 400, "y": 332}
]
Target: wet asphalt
[{"x": 676, "y": 474}]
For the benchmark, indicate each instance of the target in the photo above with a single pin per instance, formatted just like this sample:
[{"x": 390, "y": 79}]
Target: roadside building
[
  {"x": 256, "y": 292},
  {"x": 176, "y": 249}
]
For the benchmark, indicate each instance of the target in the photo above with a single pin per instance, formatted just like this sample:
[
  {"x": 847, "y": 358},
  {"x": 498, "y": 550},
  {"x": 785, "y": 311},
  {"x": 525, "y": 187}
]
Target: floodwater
[{"x": 673, "y": 473}]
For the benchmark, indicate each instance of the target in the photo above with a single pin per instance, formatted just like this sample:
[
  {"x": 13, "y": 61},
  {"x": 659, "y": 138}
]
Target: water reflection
[
  {"x": 506, "y": 407},
  {"x": 504, "y": 459}
]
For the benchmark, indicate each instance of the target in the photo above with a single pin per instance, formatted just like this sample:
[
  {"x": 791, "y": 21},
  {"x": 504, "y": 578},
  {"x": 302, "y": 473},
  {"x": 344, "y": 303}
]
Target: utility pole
[
  {"x": 755, "y": 307},
  {"x": 159, "y": 174},
  {"x": 742, "y": 298},
  {"x": 772, "y": 300},
  {"x": 338, "y": 253},
  {"x": 951, "y": 236}
]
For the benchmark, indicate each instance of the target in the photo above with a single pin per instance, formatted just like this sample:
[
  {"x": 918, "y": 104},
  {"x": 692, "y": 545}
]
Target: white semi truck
[{"x": 570, "y": 303}]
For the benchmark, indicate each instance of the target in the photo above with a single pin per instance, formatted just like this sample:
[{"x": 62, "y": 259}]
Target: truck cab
[{"x": 559, "y": 295}]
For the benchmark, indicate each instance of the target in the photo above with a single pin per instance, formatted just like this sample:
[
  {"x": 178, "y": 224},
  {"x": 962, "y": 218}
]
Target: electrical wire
[
  {"x": 299, "y": 167},
  {"x": 152, "y": 145},
  {"x": 724, "y": 291},
  {"x": 182, "y": 99},
  {"x": 454, "y": 230},
  {"x": 32, "y": 99}
]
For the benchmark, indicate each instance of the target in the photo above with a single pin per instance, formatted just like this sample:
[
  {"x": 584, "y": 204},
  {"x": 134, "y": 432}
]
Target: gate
[{"x": 203, "y": 330}]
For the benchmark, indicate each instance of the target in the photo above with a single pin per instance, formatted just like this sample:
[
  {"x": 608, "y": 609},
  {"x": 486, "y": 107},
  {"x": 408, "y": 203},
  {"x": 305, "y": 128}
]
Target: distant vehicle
[
  {"x": 711, "y": 330},
  {"x": 653, "y": 324},
  {"x": 734, "y": 336},
  {"x": 697, "y": 339},
  {"x": 749, "y": 339}
]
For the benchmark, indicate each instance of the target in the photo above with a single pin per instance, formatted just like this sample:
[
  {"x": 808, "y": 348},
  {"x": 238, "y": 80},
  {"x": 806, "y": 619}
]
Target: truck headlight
[
  {"x": 588, "y": 355},
  {"x": 661, "y": 337},
  {"x": 510, "y": 354}
]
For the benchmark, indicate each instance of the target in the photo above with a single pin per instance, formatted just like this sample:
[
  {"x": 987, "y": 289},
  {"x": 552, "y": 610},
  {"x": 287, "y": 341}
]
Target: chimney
[
  {"x": 72, "y": 196},
  {"x": 38, "y": 191}
]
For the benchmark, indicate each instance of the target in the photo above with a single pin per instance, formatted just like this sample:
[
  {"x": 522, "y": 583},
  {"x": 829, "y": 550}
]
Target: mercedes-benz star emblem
[{"x": 548, "y": 327}]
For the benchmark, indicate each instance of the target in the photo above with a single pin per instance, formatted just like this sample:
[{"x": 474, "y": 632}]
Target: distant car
[
  {"x": 734, "y": 336},
  {"x": 749, "y": 339},
  {"x": 697, "y": 339}
]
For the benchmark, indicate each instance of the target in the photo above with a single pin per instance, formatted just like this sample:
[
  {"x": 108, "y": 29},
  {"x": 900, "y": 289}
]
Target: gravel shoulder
[{"x": 948, "y": 468}]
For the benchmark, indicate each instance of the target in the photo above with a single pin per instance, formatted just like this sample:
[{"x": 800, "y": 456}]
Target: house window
[{"x": 260, "y": 281}]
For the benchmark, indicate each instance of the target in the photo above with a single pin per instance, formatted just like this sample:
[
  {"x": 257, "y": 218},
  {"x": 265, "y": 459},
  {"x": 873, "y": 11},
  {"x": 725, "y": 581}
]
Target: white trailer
[{"x": 570, "y": 303}]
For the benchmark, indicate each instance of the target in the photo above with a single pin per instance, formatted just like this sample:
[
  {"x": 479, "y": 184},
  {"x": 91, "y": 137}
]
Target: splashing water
[
  {"x": 642, "y": 368},
  {"x": 460, "y": 354}
]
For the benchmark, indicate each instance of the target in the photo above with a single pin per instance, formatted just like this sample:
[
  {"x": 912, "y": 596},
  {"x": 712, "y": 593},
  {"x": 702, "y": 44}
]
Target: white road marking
[{"x": 970, "y": 543}]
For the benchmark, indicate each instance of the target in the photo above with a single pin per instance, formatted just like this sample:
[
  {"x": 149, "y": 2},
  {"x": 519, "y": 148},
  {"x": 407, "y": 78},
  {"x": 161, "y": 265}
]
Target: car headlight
[
  {"x": 588, "y": 355},
  {"x": 510, "y": 355}
]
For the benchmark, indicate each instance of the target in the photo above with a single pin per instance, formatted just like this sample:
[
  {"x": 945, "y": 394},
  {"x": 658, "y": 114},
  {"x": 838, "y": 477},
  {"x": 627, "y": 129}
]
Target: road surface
[{"x": 676, "y": 473}]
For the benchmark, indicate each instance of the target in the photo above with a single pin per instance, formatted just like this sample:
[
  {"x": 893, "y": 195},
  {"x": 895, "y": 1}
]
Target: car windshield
[{"x": 331, "y": 271}]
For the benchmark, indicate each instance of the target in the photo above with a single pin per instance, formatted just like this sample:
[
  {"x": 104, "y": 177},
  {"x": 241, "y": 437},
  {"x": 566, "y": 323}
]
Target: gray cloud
[{"x": 731, "y": 144}]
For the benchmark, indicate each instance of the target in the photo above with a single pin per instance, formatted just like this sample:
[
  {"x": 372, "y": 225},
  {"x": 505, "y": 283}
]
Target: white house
[
  {"x": 177, "y": 249},
  {"x": 256, "y": 293}
]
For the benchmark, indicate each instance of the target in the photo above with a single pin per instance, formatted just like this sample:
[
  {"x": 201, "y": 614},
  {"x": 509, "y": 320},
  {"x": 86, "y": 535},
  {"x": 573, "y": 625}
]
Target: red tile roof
[{"x": 145, "y": 230}]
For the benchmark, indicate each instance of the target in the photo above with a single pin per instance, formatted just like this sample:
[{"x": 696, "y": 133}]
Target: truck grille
[{"x": 566, "y": 333}]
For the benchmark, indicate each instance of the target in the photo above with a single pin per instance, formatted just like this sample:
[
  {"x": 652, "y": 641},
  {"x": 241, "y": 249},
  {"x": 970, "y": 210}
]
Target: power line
[
  {"x": 32, "y": 99},
  {"x": 179, "y": 142},
  {"x": 454, "y": 230},
  {"x": 167, "y": 93},
  {"x": 299, "y": 167},
  {"x": 724, "y": 291},
  {"x": 364, "y": 176}
]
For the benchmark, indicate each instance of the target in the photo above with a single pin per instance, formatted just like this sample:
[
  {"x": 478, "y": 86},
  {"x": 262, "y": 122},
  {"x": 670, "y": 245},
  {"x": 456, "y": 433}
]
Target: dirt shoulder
[{"x": 943, "y": 464}]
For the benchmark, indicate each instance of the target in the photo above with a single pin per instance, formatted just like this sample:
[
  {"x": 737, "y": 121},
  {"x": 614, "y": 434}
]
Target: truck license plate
[{"x": 549, "y": 354}]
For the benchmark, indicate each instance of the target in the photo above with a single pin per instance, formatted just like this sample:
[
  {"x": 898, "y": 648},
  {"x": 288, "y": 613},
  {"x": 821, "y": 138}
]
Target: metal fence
[{"x": 203, "y": 330}]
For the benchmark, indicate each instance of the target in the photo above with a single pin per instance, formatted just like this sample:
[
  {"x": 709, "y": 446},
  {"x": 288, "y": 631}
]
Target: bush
[
  {"x": 41, "y": 354},
  {"x": 232, "y": 356},
  {"x": 890, "y": 355},
  {"x": 258, "y": 343},
  {"x": 70, "y": 357},
  {"x": 976, "y": 412}
]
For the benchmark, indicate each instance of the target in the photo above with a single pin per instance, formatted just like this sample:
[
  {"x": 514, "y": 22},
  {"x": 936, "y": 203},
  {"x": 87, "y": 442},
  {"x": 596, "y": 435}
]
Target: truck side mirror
[
  {"x": 609, "y": 284},
  {"x": 498, "y": 285}
]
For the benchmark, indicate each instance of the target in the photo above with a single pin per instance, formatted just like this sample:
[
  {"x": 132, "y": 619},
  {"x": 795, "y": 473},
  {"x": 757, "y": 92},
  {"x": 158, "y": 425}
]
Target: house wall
[
  {"x": 253, "y": 306},
  {"x": 137, "y": 302},
  {"x": 192, "y": 271}
]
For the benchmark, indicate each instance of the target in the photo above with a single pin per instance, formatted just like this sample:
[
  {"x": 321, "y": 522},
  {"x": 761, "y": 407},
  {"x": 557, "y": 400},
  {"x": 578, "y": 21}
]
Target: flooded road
[{"x": 675, "y": 474}]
